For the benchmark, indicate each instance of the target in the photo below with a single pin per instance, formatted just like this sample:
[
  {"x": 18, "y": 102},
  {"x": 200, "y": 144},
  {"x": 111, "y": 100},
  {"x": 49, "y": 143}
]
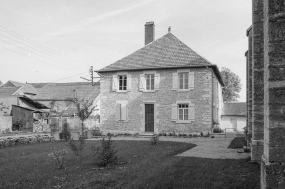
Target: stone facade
[
  {"x": 249, "y": 86},
  {"x": 268, "y": 91},
  {"x": 273, "y": 159},
  {"x": 163, "y": 98},
  {"x": 258, "y": 84}
]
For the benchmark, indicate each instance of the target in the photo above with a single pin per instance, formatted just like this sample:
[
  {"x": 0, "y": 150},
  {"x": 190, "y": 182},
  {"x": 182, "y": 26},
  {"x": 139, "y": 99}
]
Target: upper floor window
[
  {"x": 149, "y": 81},
  {"x": 183, "y": 80},
  {"x": 122, "y": 82}
]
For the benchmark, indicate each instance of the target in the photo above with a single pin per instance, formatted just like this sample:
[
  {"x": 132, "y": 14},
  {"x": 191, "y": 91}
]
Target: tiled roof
[
  {"x": 7, "y": 91},
  {"x": 235, "y": 109},
  {"x": 165, "y": 52},
  {"x": 40, "y": 85},
  {"x": 61, "y": 91},
  {"x": 13, "y": 84},
  {"x": 27, "y": 88}
]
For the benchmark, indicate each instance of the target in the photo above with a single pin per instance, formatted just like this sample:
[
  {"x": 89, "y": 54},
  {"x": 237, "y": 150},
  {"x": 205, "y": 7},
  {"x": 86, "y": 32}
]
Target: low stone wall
[{"x": 5, "y": 123}]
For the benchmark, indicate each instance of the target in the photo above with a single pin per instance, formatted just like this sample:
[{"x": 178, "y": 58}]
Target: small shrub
[
  {"x": 65, "y": 134},
  {"x": 77, "y": 148},
  {"x": 105, "y": 154},
  {"x": 202, "y": 134},
  {"x": 154, "y": 140},
  {"x": 58, "y": 155},
  {"x": 217, "y": 130}
]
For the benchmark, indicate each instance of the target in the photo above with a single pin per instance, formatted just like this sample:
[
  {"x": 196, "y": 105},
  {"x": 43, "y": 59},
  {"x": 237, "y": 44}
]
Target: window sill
[
  {"x": 184, "y": 121},
  {"x": 121, "y": 91},
  {"x": 183, "y": 90},
  {"x": 123, "y": 121},
  {"x": 150, "y": 91}
]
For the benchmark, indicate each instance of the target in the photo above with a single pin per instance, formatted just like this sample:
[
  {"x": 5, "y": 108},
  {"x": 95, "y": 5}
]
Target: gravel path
[{"x": 213, "y": 148}]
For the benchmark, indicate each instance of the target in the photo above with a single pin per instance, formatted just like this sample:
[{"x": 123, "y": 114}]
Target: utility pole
[
  {"x": 91, "y": 72},
  {"x": 91, "y": 75}
]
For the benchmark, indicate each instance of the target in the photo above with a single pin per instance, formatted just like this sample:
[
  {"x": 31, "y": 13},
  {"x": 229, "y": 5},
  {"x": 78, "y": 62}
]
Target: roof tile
[
  {"x": 165, "y": 52},
  {"x": 235, "y": 109}
]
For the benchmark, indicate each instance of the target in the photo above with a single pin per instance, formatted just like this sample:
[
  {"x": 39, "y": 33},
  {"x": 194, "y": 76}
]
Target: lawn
[{"x": 146, "y": 166}]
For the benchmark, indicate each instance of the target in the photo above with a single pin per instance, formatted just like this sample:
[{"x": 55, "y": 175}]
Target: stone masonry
[
  {"x": 273, "y": 159},
  {"x": 268, "y": 91},
  {"x": 257, "y": 85},
  {"x": 163, "y": 98},
  {"x": 249, "y": 85}
]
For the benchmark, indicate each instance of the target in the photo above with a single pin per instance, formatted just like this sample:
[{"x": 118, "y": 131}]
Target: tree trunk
[{"x": 82, "y": 127}]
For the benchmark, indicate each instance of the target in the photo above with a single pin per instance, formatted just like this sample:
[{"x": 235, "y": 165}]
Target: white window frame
[
  {"x": 176, "y": 80},
  {"x": 185, "y": 76},
  {"x": 143, "y": 81},
  {"x": 126, "y": 82},
  {"x": 184, "y": 110},
  {"x": 151, "y": 79},
  {"x": 176, "y": 110},
  {"x": 115, "y": 84}
]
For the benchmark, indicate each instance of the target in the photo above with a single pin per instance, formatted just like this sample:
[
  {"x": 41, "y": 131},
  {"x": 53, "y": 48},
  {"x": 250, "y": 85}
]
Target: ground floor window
[{"x": 183, "y": 111}]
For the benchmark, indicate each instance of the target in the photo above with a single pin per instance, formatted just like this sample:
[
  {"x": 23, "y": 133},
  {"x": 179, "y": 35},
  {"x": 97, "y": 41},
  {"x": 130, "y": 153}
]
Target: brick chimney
[{"x": 149, "y": 32}]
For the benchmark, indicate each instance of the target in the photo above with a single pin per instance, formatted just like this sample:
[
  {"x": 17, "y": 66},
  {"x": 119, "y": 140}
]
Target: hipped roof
[{"x": 165, "y": 52}]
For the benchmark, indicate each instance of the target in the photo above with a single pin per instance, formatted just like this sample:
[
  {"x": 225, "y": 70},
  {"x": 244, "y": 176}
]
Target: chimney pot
[{"x": 149, "y": 32}]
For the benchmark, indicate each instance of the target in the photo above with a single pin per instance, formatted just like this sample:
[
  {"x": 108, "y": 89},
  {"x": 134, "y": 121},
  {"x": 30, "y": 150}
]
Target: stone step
[{"x": 146, "y": 135}]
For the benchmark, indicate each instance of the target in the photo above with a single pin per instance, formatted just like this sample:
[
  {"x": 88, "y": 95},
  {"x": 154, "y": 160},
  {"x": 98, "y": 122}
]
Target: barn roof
[{"x": 234, "y": 109}]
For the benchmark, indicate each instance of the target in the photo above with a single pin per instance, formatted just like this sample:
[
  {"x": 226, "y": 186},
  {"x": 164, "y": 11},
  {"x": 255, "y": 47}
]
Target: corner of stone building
[
  {"x": 257, "y": 148},
  {"x": 272, "y": 174}
]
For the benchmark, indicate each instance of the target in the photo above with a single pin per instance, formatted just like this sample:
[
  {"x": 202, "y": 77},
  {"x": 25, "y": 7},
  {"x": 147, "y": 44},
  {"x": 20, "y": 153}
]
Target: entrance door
[{"x": 149, "y": 117}]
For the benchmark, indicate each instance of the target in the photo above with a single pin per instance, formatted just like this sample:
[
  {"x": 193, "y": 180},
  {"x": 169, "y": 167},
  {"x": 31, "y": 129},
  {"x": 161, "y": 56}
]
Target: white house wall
[{"x": 226, "y": 122}]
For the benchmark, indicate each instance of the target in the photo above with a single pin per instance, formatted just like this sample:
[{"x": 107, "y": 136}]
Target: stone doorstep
[{"x": 145, "y": 135}]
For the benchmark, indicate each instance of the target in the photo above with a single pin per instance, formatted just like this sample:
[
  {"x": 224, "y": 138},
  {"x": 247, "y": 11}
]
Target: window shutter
[
  {"x": 191, "y": 112},
  {"x": 118, "y": 112},
  {"x": 191, "y": 80},
  {"x": 174, "y": 81},
  {"x": 115, "y": 83},
  {"x": 174, "y": 112},
  {"x": 123, "y": 112},
  {"x": 156, "y": 81},
  {"x": 129, "y": 82},
  {"x": 142, "y": 82}
]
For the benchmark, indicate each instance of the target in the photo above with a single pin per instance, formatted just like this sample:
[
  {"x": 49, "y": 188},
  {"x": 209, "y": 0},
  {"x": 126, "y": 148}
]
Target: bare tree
[{"x": 84, "y": 109}]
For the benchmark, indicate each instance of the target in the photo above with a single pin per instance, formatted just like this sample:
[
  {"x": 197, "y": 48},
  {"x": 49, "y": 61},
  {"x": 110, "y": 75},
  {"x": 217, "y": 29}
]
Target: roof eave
[{"x": 213, "y": 66}]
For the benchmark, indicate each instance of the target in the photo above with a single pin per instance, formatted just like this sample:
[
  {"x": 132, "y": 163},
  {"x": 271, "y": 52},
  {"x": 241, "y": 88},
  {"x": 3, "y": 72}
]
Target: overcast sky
[{"x": 49, "y": 40}]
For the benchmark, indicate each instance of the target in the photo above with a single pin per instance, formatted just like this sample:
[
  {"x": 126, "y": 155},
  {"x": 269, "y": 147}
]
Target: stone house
[
  {"x": 163, "y": 87},
  {"x": 234, "y": 116}
]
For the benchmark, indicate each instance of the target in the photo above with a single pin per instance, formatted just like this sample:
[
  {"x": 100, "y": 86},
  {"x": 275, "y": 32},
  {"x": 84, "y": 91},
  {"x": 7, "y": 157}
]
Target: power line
[
  {"x": 57, "y": 80},
  {"x": 36, "y": 50},
  {"x": 34, "y": 43},
  {"x": 37, "y": 59}
]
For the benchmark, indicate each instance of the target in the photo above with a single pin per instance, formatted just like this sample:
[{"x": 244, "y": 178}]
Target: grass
[
  {"x": 237, "y": 142},
  {"x": 145, "y": 166}
]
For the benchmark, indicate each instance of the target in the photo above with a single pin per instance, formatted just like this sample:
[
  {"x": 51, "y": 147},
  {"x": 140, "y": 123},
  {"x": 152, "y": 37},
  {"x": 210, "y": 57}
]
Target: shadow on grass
[{"x": 237, "y": 142}]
